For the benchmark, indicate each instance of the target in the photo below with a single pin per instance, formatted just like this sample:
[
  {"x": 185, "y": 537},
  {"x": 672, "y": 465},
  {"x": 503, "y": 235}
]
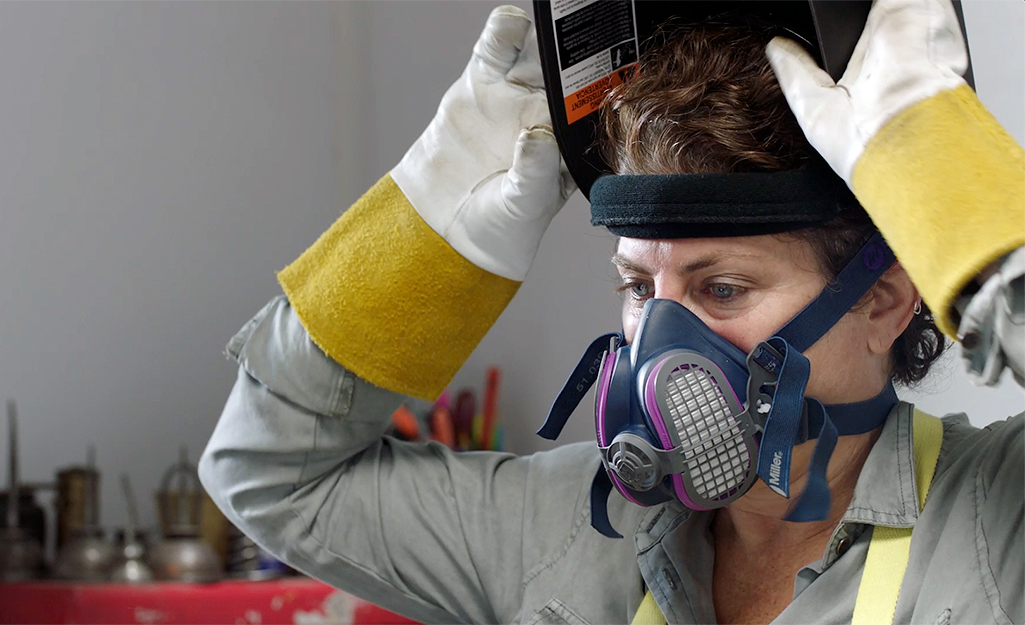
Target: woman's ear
[{"x": 894, "y": 302}]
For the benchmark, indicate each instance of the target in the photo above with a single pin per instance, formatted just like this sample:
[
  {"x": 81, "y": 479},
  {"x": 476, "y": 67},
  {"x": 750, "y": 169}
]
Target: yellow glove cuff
[
  {"x": 945, "y": 184},
  {"x": 385, "y": 296}
]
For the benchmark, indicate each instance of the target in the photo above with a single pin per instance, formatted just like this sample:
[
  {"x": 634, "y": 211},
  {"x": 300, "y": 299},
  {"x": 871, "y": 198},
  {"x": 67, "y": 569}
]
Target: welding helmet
[{"x": 587, "y": 47}]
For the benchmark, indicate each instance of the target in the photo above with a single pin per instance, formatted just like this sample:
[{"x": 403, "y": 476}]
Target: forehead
[{"x": 783, "y": 253}]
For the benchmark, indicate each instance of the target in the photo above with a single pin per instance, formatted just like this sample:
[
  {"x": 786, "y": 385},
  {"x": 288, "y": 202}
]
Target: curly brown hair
[{"x": 705, "y": 100}]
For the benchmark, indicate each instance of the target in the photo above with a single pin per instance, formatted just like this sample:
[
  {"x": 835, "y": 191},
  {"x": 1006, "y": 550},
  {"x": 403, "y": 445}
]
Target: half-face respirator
[{"x": 682, "y": 414}]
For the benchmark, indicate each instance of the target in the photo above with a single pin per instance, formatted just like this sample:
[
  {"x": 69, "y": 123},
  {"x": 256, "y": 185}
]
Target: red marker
[{"x": 491, "y": 387}]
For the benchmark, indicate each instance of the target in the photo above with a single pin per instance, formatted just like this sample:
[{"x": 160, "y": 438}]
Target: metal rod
[
  {"x": 12, "y": 475},
  {"x": 184, "y": 514},
  {"x": 133, "y": 516},
  {"x": 92, "y": 491}
]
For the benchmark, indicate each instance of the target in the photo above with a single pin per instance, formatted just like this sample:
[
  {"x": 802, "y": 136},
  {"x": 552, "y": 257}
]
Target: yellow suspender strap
[
  {"x": 648, "y": 612},
  {"x": 888, "y": 552}
]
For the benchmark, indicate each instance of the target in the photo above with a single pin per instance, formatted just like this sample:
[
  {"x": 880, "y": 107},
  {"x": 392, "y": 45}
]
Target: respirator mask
[{"x": 682, "y": 414}]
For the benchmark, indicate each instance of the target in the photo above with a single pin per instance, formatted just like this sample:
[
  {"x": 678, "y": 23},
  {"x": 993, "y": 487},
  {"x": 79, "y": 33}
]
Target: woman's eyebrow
[
  {"x": 714, "y": 258},
  {"x": 706, "y": 261},
  {"x": 625, "y": 263},
  {"x": 702, "y": 262}
]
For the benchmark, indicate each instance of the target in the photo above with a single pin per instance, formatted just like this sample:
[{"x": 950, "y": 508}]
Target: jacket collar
[{"x": 885, "y": 493}]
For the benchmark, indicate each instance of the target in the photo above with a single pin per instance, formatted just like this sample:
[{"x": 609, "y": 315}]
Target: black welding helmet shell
[{"x": 589, "y": 47}]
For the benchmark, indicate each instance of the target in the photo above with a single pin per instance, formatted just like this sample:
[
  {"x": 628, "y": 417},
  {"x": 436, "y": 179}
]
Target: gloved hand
[
  {"x": 910, "y": 51},
  {"x": 939, "y": 176},
  {"x": 486, "y": 174},
  {"x": 403, "y": 286}
]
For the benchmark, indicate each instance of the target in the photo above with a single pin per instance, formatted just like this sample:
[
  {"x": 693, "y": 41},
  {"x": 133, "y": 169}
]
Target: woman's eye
[
  {"x": 725, "y": 292},
  {"x": 636, "y": 290},
  {"x": 641, "y": 290}
]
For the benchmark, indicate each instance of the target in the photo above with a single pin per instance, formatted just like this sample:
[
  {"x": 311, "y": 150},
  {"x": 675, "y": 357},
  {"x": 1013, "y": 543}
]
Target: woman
[{"x": 376, "y": 309}]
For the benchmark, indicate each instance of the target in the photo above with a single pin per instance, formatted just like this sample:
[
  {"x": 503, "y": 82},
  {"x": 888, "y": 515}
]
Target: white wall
[{"x": 161, "y": 161}]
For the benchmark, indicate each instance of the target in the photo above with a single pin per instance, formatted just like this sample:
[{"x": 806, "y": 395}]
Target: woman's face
[{"x": 744, "y": 289}]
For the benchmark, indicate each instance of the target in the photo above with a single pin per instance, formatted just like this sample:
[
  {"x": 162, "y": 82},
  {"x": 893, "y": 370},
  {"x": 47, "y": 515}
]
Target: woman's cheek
[
  {"x": 737, "y": 332},
  {"x": 630, "y": 322}
]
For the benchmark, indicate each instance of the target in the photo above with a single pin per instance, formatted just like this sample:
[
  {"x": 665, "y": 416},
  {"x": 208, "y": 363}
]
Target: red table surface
[{"x": 290, "y": 600}]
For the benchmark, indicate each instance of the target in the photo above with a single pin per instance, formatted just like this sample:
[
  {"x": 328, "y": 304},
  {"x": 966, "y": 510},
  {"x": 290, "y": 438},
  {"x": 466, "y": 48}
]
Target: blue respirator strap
[
  {"x": 840, "y": 295},
  {"x": 856, "y": 418},
  {"x": 814, "y": 502},
  {"x": 579, "y": 382},
  {"x": 601, "y": 488},
  {"x": 784, "y": 418}
]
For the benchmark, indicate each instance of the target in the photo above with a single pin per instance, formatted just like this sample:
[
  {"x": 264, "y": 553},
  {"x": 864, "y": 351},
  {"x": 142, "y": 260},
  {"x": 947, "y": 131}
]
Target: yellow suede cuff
[
  {"x": 945, "y": 184},
  {"x": 385, "y": 296}
]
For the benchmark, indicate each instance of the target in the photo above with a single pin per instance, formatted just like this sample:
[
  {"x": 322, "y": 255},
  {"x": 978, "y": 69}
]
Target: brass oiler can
[{"x": 78, "y": 496}]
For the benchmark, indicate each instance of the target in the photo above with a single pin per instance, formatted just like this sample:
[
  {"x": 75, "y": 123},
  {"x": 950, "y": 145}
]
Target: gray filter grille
[{"x": 713, "y": 444}]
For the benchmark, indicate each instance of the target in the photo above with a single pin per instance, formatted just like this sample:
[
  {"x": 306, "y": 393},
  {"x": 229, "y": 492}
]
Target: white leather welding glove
[
  {"x": 938, "y": 175},
  {"x": 486, "y": 174},
  {"x": 910, "y": 51},
  {"x": 405, "y": 284}
]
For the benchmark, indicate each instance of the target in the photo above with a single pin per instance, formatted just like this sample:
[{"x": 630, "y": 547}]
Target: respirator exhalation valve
[{"x": 634, "y": 462}]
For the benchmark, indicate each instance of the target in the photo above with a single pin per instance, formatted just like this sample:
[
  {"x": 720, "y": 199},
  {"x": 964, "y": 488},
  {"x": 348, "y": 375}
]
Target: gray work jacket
[{"x": 300, "y": 463}]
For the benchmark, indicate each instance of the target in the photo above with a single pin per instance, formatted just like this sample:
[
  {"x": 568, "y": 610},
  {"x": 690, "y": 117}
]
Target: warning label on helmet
[{"x": 597, "y": 47}]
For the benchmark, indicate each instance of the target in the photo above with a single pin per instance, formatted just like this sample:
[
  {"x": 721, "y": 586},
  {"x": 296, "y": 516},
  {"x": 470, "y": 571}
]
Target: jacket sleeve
[
  {"x": 992, "y": 330},
  {"x": 1000, "y": 527},
  {"x": 298, "y": 462}
]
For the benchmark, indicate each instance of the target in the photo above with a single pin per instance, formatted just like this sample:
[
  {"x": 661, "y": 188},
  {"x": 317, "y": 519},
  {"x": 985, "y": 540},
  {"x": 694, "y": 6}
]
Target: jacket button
[
  {"x": 843, "y": 546},
  {"x": 668, "y": 577}
]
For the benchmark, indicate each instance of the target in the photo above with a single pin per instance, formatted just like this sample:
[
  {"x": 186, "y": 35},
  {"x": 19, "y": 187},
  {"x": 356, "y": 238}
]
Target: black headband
[{"x": 674, "y": 206}]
